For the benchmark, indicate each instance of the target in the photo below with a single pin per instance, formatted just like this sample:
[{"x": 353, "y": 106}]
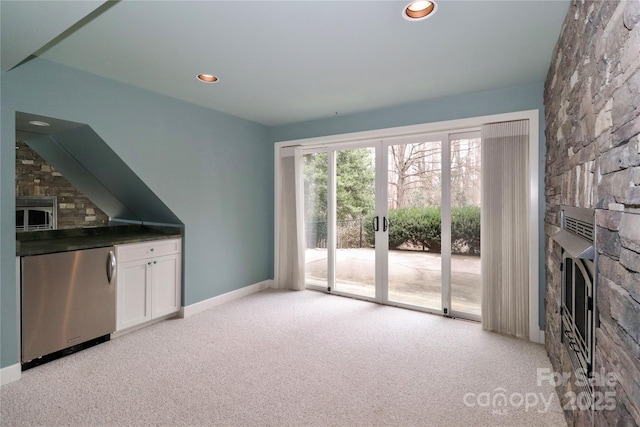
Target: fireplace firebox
[
  {"x": 35, "y": 213},
  {"x": 579, "y": 277}
]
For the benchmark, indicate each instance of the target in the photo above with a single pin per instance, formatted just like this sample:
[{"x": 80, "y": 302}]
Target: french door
[{"x": 397, "y": 221}]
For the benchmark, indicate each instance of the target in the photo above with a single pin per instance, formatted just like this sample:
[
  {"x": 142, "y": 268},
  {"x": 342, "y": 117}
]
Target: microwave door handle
[{"x": 111, "y": 266}]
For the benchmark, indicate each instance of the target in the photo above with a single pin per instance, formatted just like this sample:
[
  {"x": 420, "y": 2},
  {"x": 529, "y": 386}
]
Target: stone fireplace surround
[
  {"x": 36, "y": 177},
  {"x": 592, "y": 110}
]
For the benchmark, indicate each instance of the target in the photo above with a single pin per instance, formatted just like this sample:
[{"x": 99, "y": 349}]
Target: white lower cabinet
[
  {"x": 148, "y": 281},
  {"x": 133, "y": 294},
  {"x": 165, "y": 289}
]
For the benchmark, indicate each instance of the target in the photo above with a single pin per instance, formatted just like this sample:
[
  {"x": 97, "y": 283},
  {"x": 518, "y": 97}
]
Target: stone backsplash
[
  {"x": 592, "y": 110},
  {"x": 35, "y": 177}
]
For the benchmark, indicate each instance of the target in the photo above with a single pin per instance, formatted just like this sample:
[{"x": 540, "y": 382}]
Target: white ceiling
[{"x": 282, "y": 62}]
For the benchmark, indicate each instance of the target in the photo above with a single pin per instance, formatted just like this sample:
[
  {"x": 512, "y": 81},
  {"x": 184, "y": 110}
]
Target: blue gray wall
[
  {"x": 527, "y": 97},
  {"x": 214, "y": 171}
]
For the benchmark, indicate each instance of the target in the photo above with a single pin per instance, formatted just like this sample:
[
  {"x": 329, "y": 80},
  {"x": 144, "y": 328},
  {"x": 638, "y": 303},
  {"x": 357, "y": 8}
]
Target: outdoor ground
[{"x": 414, "y": 276}]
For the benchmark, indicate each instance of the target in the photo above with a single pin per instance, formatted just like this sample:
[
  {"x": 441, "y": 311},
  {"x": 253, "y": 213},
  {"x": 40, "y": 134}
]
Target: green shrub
[
  {"x": 465, "y": 230},
  {"x": 369, "y": 235},
  {"x": 418, "y": 227},
  {"x": 421, "y": 228}
]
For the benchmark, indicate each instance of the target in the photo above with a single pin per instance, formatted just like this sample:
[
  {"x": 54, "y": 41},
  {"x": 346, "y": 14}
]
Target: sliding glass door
[
  {"x": 355, "y": 266},
  {"x": 466, "y": 279},
  {"x": 414, "y": 200},
  {"x": 316, "y": 255},
  {"x": 397, "y": 221},
  {"x": 339, "y": 194}
]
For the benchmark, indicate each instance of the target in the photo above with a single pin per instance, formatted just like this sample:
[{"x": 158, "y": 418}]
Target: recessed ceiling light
[
  {"x": 418, "y": 10},
  {"x": 207, "y": 78},
  {"x": 38, "y": 123}
]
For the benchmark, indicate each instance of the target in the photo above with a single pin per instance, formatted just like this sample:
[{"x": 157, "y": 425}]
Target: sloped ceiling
[
  {"x": 282, "y": 62},
  {"x": 86, "y": 161},
  {"x": 27, "y": 26}
]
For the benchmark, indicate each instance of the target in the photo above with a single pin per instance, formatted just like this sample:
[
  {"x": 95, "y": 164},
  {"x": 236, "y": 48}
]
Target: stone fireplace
[
  {"x": 37, "y": 178},
  {"x": 592, "y": 109}
]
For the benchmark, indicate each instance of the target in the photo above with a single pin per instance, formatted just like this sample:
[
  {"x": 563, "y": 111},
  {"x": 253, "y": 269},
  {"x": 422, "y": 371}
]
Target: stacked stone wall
[
  {"x": 592, "y": 109},
  {"x": 35, "y": 177}
]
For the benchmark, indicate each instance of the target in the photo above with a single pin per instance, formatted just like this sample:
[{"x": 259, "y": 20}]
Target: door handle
[
  {"x": 376, "y": 223},
  {"x": 385, "y": 224},
  {"x": 111, "y": 266}
]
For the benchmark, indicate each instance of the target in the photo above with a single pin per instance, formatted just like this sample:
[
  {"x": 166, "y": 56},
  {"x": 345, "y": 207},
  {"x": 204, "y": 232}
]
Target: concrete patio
[{"x": 414, "y": 276}]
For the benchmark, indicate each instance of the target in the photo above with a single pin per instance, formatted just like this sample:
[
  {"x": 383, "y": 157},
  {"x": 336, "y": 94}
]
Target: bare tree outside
[
  {"x": 465, "y": 172},
  {"x": 413, "y": 183}
]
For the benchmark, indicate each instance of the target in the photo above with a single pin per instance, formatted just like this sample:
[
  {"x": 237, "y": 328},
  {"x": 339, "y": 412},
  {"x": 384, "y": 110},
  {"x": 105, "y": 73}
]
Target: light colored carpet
[{"x": 291, "y": 358}]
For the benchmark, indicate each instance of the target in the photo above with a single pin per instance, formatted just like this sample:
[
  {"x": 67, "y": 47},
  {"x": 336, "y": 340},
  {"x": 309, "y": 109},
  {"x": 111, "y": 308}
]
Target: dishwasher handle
[{"x": 111, "y": 266}]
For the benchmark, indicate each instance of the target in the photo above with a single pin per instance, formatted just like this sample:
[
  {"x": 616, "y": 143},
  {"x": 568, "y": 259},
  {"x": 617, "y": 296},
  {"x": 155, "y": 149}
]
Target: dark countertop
[{"x": 46, "y": 242}]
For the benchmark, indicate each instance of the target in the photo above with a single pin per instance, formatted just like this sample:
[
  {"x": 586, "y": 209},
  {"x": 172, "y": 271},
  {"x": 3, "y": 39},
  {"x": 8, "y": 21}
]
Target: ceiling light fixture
[
  {"x": 418, "y": 10},
  {"x": 38, "y": 123},
  {"x": 207, "y": 78}
]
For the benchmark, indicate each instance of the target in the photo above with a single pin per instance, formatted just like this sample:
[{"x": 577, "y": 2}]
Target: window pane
[
  {"x": 415, "y": 232},
  {"x": 315, "y": 218},
  {"x": 466, "y": 281},
  {"x": 355, "y": 197}
]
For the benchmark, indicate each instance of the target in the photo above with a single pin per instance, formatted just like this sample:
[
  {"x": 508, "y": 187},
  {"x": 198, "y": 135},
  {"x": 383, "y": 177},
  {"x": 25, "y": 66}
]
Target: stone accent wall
[
  {"x": 35, "y": 177},
  {"x": 592, "y": 109}
]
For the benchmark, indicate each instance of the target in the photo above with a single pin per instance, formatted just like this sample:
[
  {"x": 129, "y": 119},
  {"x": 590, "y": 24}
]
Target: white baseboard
[
  {"x": 537, "y": 336},
  {"x": 10, "y": 374},
  {"x": 201, "y": 306},
  {"x": 122, "y": 332}
]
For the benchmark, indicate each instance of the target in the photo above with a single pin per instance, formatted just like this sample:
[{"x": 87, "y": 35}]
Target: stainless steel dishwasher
[{"x": 68, "y": 298}]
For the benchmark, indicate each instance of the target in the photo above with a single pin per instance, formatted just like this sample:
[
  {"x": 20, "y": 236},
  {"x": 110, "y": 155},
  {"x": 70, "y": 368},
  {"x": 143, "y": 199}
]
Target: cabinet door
[
  {"x": 165, "y": 293},
  {"x": 134, "y": 293}
]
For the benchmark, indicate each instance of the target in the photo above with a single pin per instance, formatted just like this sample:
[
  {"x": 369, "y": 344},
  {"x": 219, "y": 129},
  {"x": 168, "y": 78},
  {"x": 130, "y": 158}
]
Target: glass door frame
[
  {"x": 445, "y": 137},
  {"x": 332, "y": 217},
  {"x": 379, "y": 203},
  {"x": 381, "y": 210},
  {"x": 454, "y": 136}
]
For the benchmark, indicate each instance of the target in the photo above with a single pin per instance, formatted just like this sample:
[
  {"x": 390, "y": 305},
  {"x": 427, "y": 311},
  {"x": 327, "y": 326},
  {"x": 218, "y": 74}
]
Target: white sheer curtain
[
  {"x": 505, "y": 219},
  {"x": 290, "y": 272}
]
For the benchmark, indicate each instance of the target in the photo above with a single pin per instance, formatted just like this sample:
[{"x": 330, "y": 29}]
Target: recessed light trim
[
  {"x": 39, "y": 123},
  {"x": 418, "y": 10},
  {"x": 207, "y": 78}
]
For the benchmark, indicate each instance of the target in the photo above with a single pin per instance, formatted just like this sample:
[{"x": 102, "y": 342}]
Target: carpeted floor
[{"x": 293, "y": 358}]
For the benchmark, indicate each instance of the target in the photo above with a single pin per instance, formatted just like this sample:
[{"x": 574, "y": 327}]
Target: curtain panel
[
  {"x": 504, "y": 225},
  {"x": 291, "y": 223}
]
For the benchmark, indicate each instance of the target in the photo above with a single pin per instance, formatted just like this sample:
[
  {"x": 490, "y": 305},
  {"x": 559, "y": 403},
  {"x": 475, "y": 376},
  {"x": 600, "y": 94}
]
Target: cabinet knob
[
  {"x": 151, "y": 249},
  {"x": 155, "y": 262},
  {"x": 149, "y": 263}
]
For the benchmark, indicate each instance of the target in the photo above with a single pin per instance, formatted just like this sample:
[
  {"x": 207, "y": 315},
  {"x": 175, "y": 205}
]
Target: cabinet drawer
[{"x": 135, "y": 251}]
